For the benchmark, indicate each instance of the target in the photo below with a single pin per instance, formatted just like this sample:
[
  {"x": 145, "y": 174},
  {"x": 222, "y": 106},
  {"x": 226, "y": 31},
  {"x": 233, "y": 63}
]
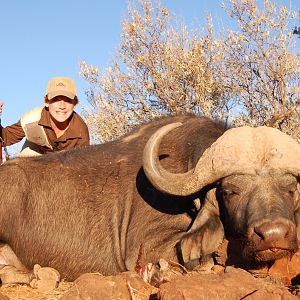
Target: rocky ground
[{"x": 170, "y": 281}]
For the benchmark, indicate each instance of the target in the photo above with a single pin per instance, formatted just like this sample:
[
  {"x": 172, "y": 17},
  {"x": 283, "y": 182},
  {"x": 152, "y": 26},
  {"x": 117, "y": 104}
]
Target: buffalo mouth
[
  {"x": 267, "y": 253},
  {"x": 272, "y": 254}
]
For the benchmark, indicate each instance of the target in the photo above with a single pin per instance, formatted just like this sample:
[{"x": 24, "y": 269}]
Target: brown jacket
[{"x": 76, "y": 135}]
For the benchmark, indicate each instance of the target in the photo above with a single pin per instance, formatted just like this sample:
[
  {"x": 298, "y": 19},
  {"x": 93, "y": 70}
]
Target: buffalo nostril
[
  {"x": 273, "y": 231},
  {"x": 259, "y": 233}
]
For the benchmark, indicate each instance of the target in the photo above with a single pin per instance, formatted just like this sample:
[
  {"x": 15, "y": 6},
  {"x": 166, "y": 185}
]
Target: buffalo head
[{"x": 254, "y": 173}]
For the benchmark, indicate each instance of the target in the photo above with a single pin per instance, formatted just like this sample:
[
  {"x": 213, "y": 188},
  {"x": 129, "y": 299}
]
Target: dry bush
[
  {"x": 250, "y": 76},
  {"x": 261, "y": 65}
]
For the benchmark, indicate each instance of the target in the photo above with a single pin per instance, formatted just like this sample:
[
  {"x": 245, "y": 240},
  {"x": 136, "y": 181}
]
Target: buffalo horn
[
  {"x": 164, "y": 181},
  {"x": 242, "y": 150}
]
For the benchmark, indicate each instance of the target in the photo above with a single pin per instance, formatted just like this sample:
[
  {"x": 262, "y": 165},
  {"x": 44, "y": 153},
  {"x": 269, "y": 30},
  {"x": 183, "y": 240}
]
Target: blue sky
[{"x": 41, "y": 39}]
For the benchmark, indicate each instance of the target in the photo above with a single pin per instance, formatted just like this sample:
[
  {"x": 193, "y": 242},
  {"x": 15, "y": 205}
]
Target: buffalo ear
[
  {"x": 205, "y": 235},
  {"x": 209, "y": 208},
  {"x": 297, "y": 197},
  {"x": 297, "y": 212}
]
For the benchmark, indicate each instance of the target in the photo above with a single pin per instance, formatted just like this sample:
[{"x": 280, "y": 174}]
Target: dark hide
[{"x": 93, "y": 209}]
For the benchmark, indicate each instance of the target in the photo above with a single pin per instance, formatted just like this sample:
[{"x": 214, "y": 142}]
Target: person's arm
[{"x": 12, "y": 134}]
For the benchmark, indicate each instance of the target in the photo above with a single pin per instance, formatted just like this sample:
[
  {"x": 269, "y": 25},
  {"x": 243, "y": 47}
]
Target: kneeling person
[{"x": 53, "y": 127}]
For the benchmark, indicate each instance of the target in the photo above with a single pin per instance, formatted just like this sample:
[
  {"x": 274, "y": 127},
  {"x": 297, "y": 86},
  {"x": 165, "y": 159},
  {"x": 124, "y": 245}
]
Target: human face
[{"x": 61, "y": 108}]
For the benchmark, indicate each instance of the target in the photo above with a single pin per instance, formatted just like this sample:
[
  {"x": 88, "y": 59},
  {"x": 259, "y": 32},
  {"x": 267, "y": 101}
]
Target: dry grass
[{"x": 25, "y": 292}]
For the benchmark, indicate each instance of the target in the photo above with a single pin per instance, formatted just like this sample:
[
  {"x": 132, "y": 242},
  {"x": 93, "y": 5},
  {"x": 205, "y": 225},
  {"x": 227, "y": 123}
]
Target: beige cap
[{"x": 61, "y": 86}]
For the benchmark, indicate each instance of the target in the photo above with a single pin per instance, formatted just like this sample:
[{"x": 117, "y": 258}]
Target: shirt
[{"x": 76, "y": 135}]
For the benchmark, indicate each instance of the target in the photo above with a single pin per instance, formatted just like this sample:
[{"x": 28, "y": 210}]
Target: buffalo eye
[
  {"x": 230, "y": 189},
  {"x": 291, "y": 189},
  {"x": 229, "y": 192},
  {"x": 287, "y": 185}
]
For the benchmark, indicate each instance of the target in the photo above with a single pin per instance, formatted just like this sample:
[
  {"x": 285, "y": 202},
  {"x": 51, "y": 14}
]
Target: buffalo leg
[
  {"x": 8, "y": 257},
  {"x": 205, "y": 235},
  {"x": 11, "y": 268}
]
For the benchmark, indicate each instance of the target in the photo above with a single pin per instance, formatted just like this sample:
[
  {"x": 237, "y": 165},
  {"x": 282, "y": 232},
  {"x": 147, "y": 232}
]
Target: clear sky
[{"x": 41, "y": 39}]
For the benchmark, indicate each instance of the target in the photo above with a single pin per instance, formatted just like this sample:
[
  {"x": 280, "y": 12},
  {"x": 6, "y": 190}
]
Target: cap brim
[{"x": 54, "y": 94}]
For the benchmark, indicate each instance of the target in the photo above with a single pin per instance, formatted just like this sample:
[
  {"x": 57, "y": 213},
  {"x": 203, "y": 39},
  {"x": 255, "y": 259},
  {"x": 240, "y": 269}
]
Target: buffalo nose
[{"x": 274, "y": 232}]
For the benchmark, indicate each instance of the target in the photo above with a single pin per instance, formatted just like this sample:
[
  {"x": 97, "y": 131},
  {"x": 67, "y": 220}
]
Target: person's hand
[{"x": 1, "y": 107}]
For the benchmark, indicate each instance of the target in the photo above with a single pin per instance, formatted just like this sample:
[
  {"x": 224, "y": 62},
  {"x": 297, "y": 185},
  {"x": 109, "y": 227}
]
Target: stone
[
  {"x": 11, "y": 275},
  {"x": 233, "y": 283},
  {"x": 93, "y": 286},
  {"x": 46, "y": 278}
]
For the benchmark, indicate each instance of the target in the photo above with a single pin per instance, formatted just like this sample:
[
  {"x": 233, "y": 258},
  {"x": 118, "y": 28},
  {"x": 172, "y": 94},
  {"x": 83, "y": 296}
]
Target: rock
[
  {"x": 11, "y": 275},
  {"x": 286, "y": 270},
  {"x": 231, "y": 284},
  {"x": 46, "y": 278},
  {"x": 271, "y": 293},
  {"x": 137, "y": 283},
  {"x": 3, "y": 297},
  {"x": 43, "y": 279},
  {"x": 123, "y": 286},
  {"x": 46, "y": 273}
]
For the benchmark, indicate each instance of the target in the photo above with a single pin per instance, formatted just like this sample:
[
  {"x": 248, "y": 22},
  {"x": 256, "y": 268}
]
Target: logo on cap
[{"x": 60, "y": 84}]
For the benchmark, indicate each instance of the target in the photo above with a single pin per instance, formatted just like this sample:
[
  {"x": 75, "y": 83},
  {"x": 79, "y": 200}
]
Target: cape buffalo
[{"x": 168, "y": 190}]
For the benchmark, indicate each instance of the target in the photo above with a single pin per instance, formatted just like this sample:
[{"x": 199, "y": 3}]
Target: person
[{"x": 52, "y": 127}]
